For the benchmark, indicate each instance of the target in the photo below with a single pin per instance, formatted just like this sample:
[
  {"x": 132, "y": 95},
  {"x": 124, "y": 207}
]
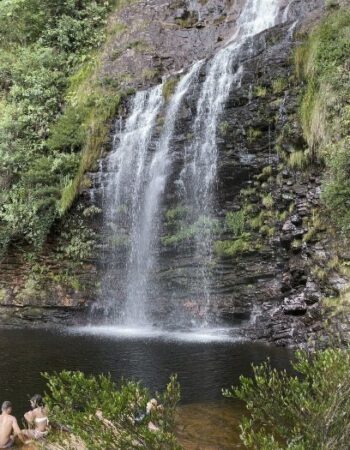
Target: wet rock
[
  {"x": 312, "y": 293},
  {"x": 295, "y": 305},
  {"x": 296, "y": 220}
]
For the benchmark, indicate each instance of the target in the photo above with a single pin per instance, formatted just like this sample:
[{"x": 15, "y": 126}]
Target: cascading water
[
  {"x": 126, "y": 175},
  {"x": 139, "y": 167},
  {"x": 136, "y": 181},
  {"x": 198, "y": 177}
]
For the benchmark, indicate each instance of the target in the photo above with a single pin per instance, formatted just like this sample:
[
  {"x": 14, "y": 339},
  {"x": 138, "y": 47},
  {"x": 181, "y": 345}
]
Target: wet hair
[
  {"x": 37, "y": 400},
  {"x": 6, "y": 405}
]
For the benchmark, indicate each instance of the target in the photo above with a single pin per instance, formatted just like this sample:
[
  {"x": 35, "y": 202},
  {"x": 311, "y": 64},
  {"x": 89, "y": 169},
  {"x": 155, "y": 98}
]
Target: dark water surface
[{"x": 203, "y": 368}]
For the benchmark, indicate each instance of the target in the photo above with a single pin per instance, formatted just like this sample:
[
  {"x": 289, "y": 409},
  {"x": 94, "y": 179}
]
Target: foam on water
[{"x": 202, "y": 335}]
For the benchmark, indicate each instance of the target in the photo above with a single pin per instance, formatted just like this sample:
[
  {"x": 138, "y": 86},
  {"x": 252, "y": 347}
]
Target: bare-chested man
[{"x": 8, "y": 426}]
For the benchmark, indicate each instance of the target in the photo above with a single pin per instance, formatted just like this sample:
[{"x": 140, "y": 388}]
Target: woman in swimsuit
[{"x": 36, "y": 419}]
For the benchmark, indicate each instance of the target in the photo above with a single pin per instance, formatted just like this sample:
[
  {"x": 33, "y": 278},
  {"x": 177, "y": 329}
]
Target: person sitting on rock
[
  {"x": 36, "y": 419},
  {"x": 9, "y": 428}
]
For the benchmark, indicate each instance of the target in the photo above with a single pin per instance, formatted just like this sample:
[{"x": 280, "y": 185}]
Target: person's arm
[
  {"x": 15, "y": 427},
  {"x": 29, "y": 417},
  {"x": 17, "y": 431}
]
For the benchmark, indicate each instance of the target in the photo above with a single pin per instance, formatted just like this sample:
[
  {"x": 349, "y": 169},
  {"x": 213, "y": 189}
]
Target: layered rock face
[{"x": 270, "y": 285}]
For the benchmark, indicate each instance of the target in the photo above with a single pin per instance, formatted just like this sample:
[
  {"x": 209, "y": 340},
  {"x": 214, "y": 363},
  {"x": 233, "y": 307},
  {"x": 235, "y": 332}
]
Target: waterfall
[
  {"x": 198, "y": 177},
  {"x": 136, "y": 181},
  {"x": 140, "y": 165}
]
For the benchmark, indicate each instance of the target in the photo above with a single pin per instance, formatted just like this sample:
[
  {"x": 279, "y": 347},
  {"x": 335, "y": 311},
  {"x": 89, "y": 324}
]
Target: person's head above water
[
  {"x": 36, "y": 401},
  {"x": 6, "y": 407}
]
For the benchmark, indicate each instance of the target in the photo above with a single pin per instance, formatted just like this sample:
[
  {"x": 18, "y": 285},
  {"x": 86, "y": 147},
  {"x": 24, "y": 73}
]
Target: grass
[
  {"x": 224, "y": 128},
  {"x": 235, "y": 222},
  {"x": 267, "y": 230},
  {"x": 260, "y": 91},
  {"x": 265, "y": 174},
  {"x": 319, "y": 61},
  {"x": 204, "y": 226},
  {"x": 322, "y": 63},
  {"x": 253, "y": 134},
  {"x": 233, "y": 248},
  {"x": 267, "y": 201},
  {"x": 169, "y": 87},
  {"x": 279, "y": 85},
  {"x": 298, "y": 160},
  {"x": 257, "y": 222},
  {"x": 149, "y": 74}
]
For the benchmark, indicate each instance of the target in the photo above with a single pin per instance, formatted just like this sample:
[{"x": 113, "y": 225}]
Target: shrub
[
  {"x": 49, "y": 115},
  {"x": 310, "y": 411},
  {"x": 101, "y": 415}
]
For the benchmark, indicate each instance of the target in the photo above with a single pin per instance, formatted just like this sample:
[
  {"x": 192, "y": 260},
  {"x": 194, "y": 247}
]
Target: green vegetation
[
  {"x": 185, "y": 232},
  {"x": 224, "y": 128},
  {"x": 101, "y": 415},
  {"x": 169, "y": 87},
  {"x": 234, "y": 247},
  {"x": 298, "y": 160},
  {"x": 325, "y": 113},
  {"x": 54, "y": 110},
  {"x": 267, "y": 201},
  {"x": 150, "y": 74},
  {"x": 265, "y": 174},
  {"x": 187, "y": 21},
  {"x": 235, "y": 222},
  {"x": 314, "y": 226},
  {"x": 235, "y": 225},
  {"x": 279, "y": 85},
  {"x": 77, "y": 242},
  {"x": 253, "y": 134},
  {"x": 260, "y": 91},
  {"x": 175, "y": 214},
  {"x": 306, "y": 412}
]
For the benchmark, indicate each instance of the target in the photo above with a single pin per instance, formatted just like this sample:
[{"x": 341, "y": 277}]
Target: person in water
[
  {"x": 9, "y": 428},
  {"x": 36, "y": 419}
]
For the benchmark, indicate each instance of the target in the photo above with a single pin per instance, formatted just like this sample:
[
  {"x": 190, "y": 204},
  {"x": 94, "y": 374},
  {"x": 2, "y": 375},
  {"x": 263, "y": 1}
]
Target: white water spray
[{"x": 136, "y": 182}]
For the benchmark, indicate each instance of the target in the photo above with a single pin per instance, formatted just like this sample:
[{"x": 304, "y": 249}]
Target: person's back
[
  {"x": 8, "y": 426},
  {"x": 36, "y": 419}
]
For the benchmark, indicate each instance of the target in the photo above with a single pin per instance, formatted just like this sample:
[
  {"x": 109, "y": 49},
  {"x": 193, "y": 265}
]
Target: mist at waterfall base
[{"x": 134, "y": 180}]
